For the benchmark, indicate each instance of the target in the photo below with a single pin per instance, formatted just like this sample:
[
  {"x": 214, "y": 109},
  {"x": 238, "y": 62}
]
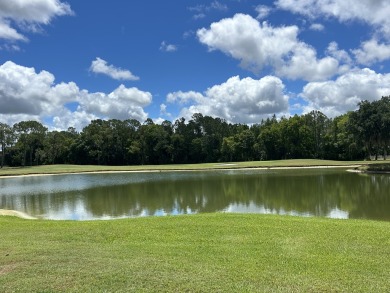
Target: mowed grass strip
[
  {"x": 63, "y": 169},
  {"x": 196, "y": 253}
]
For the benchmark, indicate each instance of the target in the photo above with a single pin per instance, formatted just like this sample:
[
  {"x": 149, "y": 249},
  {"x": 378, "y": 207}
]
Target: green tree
[
  {"x": 57, "y": 146},
  {"x": 383, "y": 108},
  {"x": 30, "y": 137},
  {"x": 369, "y": 124},
  {"x": 211, "y": 131},
  {"x": 155, "y": 143},
  {"x": 318, "y": 124},
  {"x": 269, "y": 142},
  {"x": 7, "y": 138},
  {"x": 228, "y": 149}
]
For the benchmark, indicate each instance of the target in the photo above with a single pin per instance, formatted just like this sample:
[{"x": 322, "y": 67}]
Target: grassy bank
[
  {"x": 58, "y": 169},
  {"x": 200, "y": 253}
]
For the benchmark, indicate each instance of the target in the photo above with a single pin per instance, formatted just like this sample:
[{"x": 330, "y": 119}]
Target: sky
[{"x": 67, "y": 63}]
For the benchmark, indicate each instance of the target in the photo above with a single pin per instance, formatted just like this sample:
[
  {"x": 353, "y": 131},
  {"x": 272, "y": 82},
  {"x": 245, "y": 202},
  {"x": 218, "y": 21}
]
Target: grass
[
  {"x": 197, "y": 253},
  {"x": 59, "y": 169}
]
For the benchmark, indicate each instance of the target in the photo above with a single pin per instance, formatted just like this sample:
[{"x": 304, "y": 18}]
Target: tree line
[{"x": 356, "y": 135}]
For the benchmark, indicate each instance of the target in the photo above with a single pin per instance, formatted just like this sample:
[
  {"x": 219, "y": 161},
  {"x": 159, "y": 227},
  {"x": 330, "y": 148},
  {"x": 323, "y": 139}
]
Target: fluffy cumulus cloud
[
  {"x": 27, "y": 15},
  {"x": 373, "y": 12},
  {"x": 27, "y": 94},
  {"x": 343, "y": 94},
  {"x": 101, "y": 66},
  {"x": 237, "y": 100},
  {"x": 65, "y": 118},
  {"x": 303, "y": 64},
  {"x": 372, "y": 51},
  {"x": 122, "y": 103},
  {"x": 23, "y": 91},
  {"x": 341, "y": 55},
  {"x": 258, "y": 45}
]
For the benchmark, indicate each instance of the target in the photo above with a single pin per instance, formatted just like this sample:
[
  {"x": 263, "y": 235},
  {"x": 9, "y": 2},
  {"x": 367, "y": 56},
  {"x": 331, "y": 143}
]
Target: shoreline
[
  {"x": 14, "y": 213},
  {"x": 187, "y": 170}
]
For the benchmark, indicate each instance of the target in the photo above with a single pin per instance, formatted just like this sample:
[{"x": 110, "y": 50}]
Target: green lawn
[
  {"x": 57, "y": 169},
  {"x": 197, "y": 253}
]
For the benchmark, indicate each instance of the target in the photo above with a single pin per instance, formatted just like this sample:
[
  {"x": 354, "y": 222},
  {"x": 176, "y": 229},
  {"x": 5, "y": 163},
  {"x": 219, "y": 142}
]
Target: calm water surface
[{"x": 310, "y": 192}]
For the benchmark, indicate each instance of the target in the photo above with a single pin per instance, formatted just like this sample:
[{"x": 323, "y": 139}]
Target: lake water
[{"x": 331, "y": 193}]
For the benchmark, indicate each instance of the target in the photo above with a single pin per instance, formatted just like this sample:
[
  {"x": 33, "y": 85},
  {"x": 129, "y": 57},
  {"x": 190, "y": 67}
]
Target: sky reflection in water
[{"x": 331, "y": 193}]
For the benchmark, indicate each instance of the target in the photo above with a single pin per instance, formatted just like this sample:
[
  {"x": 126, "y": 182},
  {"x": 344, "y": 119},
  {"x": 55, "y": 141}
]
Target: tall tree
[
  {"x": 57, "y": 146},
  {"x": 270, "y": 141},
  {"x": 383, "y": 108},
  {"x": 155, "y": 143},
  {"x": 318, "y": 124},
  {"x": 30, "y": 137},
  {"x": 369, "y": 125},
  {"x": 6, "y": 140}
]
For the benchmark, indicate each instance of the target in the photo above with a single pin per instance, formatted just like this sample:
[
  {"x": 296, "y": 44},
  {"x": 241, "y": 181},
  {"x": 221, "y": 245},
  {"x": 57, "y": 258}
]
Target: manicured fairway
[
  {"x": 59, "y": 169},
  {"x": 197, "y": 253}
]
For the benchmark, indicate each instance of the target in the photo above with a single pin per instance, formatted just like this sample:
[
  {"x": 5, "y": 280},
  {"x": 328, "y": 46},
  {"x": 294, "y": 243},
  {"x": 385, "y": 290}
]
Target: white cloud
[
  {"x": 100, "y": 66},
  {"x": 218, "y": 6},
  {"x": 11, "y": 119},
  {"x": 317, "y": 27},
  {"x": 237, "y": 100},
  {"x": 262, "y": 11},
  {"x": 184, "y": 97},
  {"x": 261, "y": 45},
  {"x": 202, "y": 10},
  {"x": 244, "y": 38},
  {"x": 9, "y": 33},
  {"x": 337, "y": 97},
  {"x": 341, "y": 55},
  {"x": 25, "y": 93},
  {"x": 371, "y": 52},
  {"x": 163, "y": 110},
  {"x": 373, "y": 12},
  {"x": 28, "y": 15},
  {"x": 159, "y": 120},
  {"x": 165, "y": 47},
  {"x": 303, "y": 64},
  {"x": 66, "y": 118},
  {"x": 122, "y": 103}
]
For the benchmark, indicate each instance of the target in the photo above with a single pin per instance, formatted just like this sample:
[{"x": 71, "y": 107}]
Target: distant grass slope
[
  {"x": 58, "y": 169},
  {"x": 197, "y": 253}
]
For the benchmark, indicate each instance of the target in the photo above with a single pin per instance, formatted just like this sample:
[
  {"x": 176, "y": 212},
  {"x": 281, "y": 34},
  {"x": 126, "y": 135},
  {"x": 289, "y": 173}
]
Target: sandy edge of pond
[
  {"x": 186, "y": 170},
  {"x": 16, "y": 214}
]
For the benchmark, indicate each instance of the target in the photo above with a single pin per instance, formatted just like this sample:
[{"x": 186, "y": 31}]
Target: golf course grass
[
  {"x": 216, "y": 252},
  {"x": 196, "y": 253},
  {"x": 61, "y": 169}
]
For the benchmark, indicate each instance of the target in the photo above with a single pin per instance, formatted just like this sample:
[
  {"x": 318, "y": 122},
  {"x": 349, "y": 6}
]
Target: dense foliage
[{"x": 364, "y": 133}]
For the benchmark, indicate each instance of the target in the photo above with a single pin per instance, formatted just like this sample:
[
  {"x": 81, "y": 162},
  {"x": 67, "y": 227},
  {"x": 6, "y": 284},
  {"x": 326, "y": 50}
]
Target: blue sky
[{"x": 66, "y": 63}]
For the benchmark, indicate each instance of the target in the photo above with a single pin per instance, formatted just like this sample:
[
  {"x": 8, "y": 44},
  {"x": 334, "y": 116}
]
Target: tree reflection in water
[{"x": 314, "y": 192}]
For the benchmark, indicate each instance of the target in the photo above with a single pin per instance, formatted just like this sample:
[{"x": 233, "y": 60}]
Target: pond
[{"x": 333, "y": 193}]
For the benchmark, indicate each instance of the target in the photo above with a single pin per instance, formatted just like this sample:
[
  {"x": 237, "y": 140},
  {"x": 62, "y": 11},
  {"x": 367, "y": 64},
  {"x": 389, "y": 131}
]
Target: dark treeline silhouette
[{"x": 362, "y": 134}]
